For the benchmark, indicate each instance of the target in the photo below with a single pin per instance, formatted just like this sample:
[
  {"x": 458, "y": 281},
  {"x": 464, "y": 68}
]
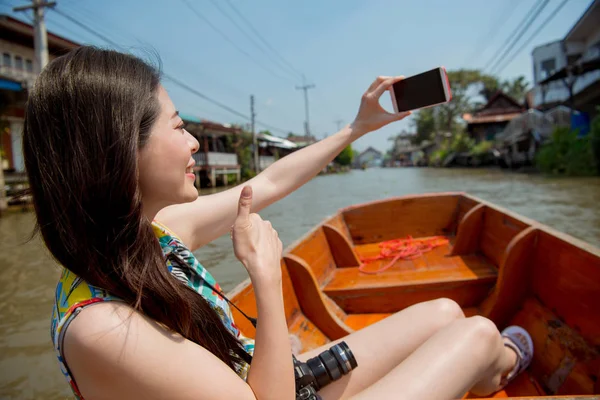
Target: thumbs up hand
[{"x": 255, "y": 243}]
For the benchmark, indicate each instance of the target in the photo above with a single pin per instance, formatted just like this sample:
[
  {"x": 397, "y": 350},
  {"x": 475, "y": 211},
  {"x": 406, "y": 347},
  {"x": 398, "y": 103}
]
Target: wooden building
[
  {"x": 216, "y": 156},
  {"x": 370, "y": 157},
  {"x": 271, "y": 148},
  {"x": 492, "y": 118},
  {"x": 17, "y": 74}
]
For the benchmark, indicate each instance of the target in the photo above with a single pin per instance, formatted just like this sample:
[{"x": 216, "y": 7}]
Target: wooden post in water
[{"x": 3, "y": 203}]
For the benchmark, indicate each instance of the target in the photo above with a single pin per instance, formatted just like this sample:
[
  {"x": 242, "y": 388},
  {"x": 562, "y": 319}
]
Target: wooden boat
[{"x": 495, "y": 263}]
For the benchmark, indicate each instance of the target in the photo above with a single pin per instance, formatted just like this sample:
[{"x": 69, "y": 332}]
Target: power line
[
  {"x": 85, "y": 28},
  {"x": 262, "y": 39},
  {"x": 88, "y": 19},
  {"x": 249, "y": 37},
  {"x": 224, "y": 36},
  {"x": 530, "y": 38},
  {"x": 537, "y": 7},
  {"x": 83, "y": 12},
  {"x": 519, "y": 35},
  {"x": 86, "y": 14},
  {"x": 219, "y": 104},
  {"x": 254, "y": 30},
  {"x": 483, "y": 40},
  {"x": 169, "y": 77},
  {"x": 64, "y": 28}
]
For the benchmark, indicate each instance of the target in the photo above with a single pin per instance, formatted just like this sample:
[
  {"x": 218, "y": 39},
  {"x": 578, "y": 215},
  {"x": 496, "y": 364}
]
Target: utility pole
[
  {"x": 254, "y": 140},
  {"x": 40, "y": 38},
  {"x": 40, "y": 42},
  {"x": 305, "y": 87},
  {"x": 338, "y": 123}
]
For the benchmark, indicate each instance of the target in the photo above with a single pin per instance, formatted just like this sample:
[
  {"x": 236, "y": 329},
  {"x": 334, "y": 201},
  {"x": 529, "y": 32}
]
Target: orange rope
[{"x": 406, "y": 249}]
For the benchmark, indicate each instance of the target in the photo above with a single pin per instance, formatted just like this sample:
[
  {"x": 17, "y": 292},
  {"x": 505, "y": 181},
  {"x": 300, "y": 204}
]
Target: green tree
[
  {"x": 469, "y": 87},
  {"x": 517, "y": 88},
  {"x": 345, "y": 157},
  {"x": 424, "y": 125},
  {"x": 242, "y": 145},
  {"x": 566, "y": 154},
  {"x": 489, "y": 86},
  {"x": 463, "y": 83}
]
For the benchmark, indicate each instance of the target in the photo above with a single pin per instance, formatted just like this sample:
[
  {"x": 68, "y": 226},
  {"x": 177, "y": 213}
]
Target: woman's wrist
[
  {"x": 356, "y": 130},
  {"x": 266, "y": 282},
  {"x": 269, "y": 298}
]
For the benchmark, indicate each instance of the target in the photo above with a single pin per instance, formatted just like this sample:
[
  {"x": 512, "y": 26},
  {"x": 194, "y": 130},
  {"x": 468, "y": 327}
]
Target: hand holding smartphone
[{"x": 420, "y": 91}]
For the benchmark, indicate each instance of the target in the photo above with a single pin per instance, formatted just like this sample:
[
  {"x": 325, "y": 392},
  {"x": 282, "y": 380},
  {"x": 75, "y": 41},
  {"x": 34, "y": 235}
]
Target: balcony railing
[
  {"x": 265, "y": 161},
  {"x": 19, "y": 75},
  {"x": 214, "y": 159}
]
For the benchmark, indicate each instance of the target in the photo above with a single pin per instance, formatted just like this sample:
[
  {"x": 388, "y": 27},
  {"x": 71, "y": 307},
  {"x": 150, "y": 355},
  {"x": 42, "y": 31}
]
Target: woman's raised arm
[{"x": 211, "y": 216}]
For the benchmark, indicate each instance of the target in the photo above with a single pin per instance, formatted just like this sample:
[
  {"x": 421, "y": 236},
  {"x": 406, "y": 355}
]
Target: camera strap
[{"x": 180, "y": 261}]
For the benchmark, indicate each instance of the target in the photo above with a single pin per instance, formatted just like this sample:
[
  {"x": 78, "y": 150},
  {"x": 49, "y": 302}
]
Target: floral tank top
[{"x": 73, "y": 294}]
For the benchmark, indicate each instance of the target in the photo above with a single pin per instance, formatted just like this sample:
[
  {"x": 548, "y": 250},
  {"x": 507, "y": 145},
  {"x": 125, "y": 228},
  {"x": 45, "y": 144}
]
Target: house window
[
  {"x": 19, "y": 63},
  {"x": 28, "y": 65},
  {"x": 6, "y": 60},
  {"x": 548, "y": 67}
]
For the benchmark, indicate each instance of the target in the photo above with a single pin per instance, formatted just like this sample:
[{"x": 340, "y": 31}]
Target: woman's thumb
[
  {"x": 400, "y": 115},
  {"x": 245, "y": 203}
]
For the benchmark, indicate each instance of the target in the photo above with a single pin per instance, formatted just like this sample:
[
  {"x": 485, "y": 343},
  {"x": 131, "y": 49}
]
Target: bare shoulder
[{"x": 113, "y": 351}]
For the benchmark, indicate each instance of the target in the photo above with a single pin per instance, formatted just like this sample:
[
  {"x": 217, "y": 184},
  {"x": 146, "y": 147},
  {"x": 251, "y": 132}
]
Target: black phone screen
[{"x": 420, "y": 90}]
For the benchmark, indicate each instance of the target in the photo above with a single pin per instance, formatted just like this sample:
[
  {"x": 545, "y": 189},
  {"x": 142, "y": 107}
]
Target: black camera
[{"x": 319, "y": 371}]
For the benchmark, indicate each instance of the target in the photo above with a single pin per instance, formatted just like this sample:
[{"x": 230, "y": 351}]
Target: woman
[{"x": 108, "y": 157}]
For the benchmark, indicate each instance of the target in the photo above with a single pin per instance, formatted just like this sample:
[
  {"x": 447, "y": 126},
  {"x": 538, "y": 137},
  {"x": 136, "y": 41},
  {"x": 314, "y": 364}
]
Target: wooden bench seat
[{"x": 467, "y": 279}]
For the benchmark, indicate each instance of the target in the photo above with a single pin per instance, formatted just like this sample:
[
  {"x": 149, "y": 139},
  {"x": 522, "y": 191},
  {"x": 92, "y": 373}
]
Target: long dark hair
[{"x": 87, "y": 116}]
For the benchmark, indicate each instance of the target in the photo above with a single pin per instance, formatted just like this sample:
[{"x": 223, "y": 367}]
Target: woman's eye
[{"x": 181, "y": 127}]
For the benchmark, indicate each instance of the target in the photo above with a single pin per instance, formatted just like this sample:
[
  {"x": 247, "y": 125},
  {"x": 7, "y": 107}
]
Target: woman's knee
[
  {"x": 439, "y": 313},
  {"x": 448, "y": 308},
  {"x": 482, "y": 337},
  {"x": 444, "y": 310}
]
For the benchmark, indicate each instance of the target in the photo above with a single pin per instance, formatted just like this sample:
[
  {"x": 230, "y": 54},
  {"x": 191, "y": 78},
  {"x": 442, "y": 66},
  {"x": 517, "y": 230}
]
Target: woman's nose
[{"x": 194, "y": 144}]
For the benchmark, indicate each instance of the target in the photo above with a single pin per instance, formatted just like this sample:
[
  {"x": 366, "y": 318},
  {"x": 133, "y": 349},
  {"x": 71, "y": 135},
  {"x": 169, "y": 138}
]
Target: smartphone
[{"x": 423, "y": 90}]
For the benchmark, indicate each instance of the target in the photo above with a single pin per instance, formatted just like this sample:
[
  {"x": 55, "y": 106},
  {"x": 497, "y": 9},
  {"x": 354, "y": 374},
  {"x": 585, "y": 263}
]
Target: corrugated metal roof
[
  {"x": 486, "y": 119},
  {"x": 277, "y": 141}
]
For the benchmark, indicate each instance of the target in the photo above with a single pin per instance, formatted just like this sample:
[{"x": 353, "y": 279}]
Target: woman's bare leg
[
  {"x": 466, "y": 355},
  {"x": 380, "y": 347}
]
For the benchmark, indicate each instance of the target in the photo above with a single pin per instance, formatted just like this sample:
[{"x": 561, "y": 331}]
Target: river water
[{"x": 28, "y": 366}]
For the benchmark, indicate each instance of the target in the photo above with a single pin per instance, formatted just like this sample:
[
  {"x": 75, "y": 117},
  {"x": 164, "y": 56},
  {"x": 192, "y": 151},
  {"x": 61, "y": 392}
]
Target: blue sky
[{"x": 340, "y": 45}]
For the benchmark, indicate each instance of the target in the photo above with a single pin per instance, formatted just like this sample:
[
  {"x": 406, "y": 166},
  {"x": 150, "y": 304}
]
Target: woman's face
[{"x": 165, "y": 162}]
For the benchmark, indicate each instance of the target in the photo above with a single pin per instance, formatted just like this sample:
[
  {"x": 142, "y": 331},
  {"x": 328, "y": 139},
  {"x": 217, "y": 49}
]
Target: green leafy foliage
[
  {"x": 566, "y": 154},
  {"x": 517, "y": 88},
  {"x": 345, "y": 157},
  {"x": 461, "y": 142},
  {"x": 424, "y": 124},
  {"x": 438, "y": 156},
  {"x": 469, "y": 88},
  {"x": 242, "y": 145},
  {"x": 482, "y": 148}
]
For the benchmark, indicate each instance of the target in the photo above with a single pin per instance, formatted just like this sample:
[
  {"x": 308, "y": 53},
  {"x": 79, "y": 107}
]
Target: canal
[{"x": 28, "y": 366}]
